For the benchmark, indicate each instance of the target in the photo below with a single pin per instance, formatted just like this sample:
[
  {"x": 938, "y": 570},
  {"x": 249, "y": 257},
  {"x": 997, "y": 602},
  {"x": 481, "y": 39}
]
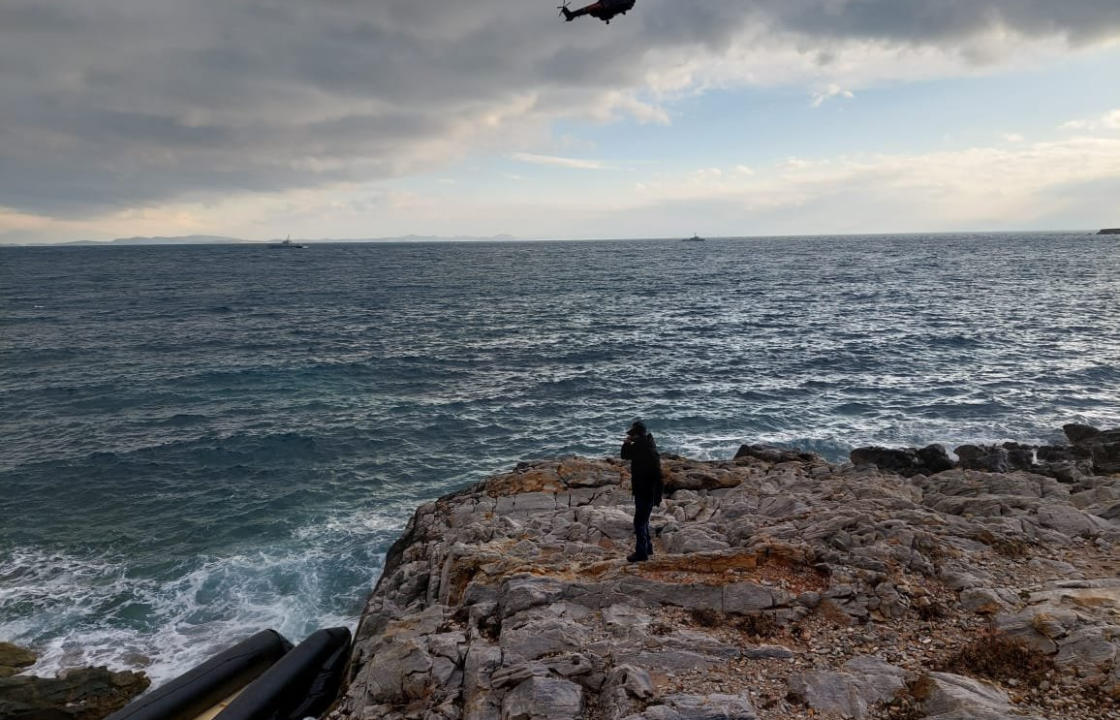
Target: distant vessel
[
  {"x": 1110, "y": 231},
  {"x": 694, "y": 238},
  {"x": 287, "y": 244}
]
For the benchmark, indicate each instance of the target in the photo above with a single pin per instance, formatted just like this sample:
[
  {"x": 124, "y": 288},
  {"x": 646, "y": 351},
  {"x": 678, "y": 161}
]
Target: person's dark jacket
[{"x": 645, "y": 467}]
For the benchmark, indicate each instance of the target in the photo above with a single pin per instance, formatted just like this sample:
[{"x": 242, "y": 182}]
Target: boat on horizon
[
  {"x": 694, "y": 238},
  {"x": 1110, "y": 231},
  {"x": 288, "y": 244}
]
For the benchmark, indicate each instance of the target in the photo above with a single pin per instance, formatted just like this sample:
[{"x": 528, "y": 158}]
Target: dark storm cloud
[
  {"x": 939, "y": 20},
  {"x": 118, "y": 103}
]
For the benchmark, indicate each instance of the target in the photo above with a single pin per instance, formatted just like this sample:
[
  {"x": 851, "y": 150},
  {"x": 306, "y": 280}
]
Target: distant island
[
  {"x": 179, "y": 240},
  {"x": 221, "y": 240},
  {"x": 1110, "y": 231}
]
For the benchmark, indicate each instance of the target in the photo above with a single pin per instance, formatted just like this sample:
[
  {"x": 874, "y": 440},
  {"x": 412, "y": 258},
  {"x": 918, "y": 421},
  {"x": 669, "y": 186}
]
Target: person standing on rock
[{"x": 645, "y": 481}]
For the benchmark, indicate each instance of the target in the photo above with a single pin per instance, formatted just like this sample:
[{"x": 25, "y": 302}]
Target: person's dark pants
[{"x": 643, "y": 506}]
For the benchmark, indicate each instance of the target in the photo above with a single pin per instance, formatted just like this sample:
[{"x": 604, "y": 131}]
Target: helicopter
[{"x": 603, "y": 9}]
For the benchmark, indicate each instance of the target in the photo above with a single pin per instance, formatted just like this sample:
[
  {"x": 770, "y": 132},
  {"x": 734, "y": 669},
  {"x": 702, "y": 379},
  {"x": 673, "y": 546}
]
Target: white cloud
[
  {"x": 1108, "y": 121},
  {"x": 982, "y": 187},
  {"x": 1024, "y": 185},
  {"x": 830, "y": 92},
  {"x": 575, "y": 163},
  {"x": 155, "y": 104}
]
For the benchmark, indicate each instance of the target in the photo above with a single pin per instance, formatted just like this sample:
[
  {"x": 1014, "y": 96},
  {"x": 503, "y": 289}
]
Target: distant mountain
[
  {"x": 221, "y": 240},
  {"x": 180, "y": 240},
  {"x": 1110, "y": 231}
]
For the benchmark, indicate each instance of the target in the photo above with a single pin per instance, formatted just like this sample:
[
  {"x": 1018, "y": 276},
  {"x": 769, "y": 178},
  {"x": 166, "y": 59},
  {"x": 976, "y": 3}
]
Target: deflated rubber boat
[{"x": 261, "y": 678}]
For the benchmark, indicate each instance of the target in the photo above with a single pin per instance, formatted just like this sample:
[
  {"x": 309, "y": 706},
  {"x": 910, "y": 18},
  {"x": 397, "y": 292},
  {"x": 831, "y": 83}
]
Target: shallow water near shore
[{"x": 199, "y": 442}]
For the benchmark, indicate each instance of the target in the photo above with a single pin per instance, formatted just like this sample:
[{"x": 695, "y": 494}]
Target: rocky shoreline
[
  {"x": 903, "y": 585},
  {"x": 77, "y": 694}
]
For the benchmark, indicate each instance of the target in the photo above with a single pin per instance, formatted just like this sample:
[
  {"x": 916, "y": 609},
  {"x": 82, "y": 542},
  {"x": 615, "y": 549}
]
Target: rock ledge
[{"x": 783, "y": 586}]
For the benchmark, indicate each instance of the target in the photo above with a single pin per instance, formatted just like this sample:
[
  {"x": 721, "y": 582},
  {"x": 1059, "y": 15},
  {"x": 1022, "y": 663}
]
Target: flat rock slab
[
  {"x": 543, "y": 698},
  {"x": 852, "y": 692},
  {"x": 699, "y": 707},
  {"x": 964, "y": 696}
]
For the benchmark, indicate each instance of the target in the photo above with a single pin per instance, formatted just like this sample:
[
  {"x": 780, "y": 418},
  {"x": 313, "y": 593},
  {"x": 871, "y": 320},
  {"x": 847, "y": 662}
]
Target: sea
[{"x": 198, "y": 442}]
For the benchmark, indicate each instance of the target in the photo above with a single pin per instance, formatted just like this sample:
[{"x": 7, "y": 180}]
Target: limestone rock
[
  {"x": 543, "y": 698},
  {"x": 512, "y": 599},
  {"x": 700, "y": 707},
  {"x": 537, "y": 639},
  {"x": 852, "y": 692},
  {"x": 967, "y": 697},
  {"x": 982, "y": 601}
]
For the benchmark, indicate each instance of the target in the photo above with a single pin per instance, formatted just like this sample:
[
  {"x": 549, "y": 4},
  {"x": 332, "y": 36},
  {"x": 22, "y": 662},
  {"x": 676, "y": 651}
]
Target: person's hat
[{"x": 637, "y": 428}]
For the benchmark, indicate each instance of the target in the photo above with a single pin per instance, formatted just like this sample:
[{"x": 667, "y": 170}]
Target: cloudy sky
[{"x": 373, "y": 118}]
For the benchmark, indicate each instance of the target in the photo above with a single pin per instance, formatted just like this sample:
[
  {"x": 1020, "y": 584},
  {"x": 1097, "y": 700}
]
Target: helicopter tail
[{"x": 565, "y": 12}]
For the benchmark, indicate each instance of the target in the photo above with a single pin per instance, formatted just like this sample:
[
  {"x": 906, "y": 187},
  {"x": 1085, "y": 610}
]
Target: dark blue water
[{"x": 196, "y": 442}]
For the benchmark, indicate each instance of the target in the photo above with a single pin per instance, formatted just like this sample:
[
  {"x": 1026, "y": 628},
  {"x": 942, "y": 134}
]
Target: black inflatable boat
[{"x": 262, "y": 678}]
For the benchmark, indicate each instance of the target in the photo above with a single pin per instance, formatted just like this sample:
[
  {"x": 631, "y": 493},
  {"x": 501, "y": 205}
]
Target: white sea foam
[{"x": 87, "y": 610}]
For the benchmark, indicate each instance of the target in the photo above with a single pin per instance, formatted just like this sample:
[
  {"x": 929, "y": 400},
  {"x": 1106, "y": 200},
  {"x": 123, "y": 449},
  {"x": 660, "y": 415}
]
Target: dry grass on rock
[{"x": 1000, "y": 658}]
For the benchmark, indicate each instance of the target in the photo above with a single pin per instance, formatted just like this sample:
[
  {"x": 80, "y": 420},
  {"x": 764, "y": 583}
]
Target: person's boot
[{"x": 635, "y": 557}]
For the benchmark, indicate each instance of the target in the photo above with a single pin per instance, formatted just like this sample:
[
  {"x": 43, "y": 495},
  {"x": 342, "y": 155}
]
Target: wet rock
[
  {"x": 904, "y": 462},
  {"x": 1103, "y": 446},
  {"x": 934, "y": 459},
  {"x": 907, "y": 462},
  {"x": 985, "y": 458},
  {"x": 79, "y": 694},
  {"x": 774, "y": 454},
  {"x": 14, "y": 659},
  {"x": 1079, "y": 434}
]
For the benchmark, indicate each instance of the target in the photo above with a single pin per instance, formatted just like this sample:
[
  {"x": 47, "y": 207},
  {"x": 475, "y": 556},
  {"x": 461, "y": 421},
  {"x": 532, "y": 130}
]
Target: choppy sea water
[{"x": 199, "y": 442}]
